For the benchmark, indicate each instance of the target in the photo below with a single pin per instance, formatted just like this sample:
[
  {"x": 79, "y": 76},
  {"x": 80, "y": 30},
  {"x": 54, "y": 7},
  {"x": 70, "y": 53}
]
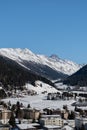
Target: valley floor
[{"x": 40, "y": 102}]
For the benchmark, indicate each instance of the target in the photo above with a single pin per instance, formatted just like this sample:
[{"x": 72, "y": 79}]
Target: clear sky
[{"x": 45, "y": 27}]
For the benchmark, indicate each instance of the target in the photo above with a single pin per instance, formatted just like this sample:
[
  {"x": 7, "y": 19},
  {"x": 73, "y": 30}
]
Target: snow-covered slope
[
  {"x": 41, "y": 87},
  {"x": 20, "y": 55}
]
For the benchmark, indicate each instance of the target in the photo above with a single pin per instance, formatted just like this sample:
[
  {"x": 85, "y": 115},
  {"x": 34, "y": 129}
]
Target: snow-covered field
[{"x": 40, "y": 102}]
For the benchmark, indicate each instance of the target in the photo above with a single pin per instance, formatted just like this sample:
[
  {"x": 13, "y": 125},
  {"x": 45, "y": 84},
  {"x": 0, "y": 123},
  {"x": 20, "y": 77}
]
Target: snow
[
  {"x": 42, "y": 87},
  {"x": 64, "y": 66},
  {"x": 40, "y": 102},
  {"x": 61, "y": 86},
  {"x": 67, "y": 128},
  {"x": 52, "y": 127},
  {"x": 25, "y": 126}
]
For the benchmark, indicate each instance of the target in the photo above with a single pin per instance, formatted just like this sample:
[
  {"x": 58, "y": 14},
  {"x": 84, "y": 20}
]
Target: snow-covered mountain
[{"x": 25, "y": 56}]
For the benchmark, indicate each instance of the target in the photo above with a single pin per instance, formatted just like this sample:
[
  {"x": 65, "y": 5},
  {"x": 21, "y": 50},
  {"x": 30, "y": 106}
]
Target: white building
[{"x": 51, "y": 120}]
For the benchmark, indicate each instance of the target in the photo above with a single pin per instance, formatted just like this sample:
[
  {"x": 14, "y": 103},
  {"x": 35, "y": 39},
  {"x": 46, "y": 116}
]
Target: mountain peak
[{"x": 54, "y": 56}]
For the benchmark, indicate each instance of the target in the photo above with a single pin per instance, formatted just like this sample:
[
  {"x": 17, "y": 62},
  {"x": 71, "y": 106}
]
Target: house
[{"x": 51, "y": 120}]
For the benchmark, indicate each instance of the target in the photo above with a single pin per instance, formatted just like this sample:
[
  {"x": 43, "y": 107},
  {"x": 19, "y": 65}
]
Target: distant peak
[{"x": 54, "y": 56}]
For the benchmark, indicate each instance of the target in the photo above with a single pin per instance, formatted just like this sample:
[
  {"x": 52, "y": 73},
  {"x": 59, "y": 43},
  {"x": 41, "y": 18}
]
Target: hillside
[
  {"x": 11, "y": 73},
  {"x": 79, "y": 78},
  {"x": 21, "y": 66}
]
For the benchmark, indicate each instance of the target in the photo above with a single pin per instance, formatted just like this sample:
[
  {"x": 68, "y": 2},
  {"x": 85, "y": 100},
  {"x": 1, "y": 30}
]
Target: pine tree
[{"x": 12, "y": 120}]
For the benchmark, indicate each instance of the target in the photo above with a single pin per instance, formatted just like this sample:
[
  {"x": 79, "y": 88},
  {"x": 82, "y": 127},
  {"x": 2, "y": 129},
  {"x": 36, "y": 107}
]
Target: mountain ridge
[
  {"x": 20, "y": 66},
  {"x": 64, "y": 66}
]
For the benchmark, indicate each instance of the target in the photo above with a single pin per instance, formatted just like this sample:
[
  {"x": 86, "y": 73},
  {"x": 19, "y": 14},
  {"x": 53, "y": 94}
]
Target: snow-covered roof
[
  {"x": 24, "y": 126},
  {"x": 66, "y": 127},
  {"x": 47, "y": 116},
  {"x": 52, "y": 126}
]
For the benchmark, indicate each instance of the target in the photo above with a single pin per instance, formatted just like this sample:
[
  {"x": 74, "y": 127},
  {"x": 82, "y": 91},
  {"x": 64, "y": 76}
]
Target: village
[
  {"x": 43, "y": 65},
  {"x": 16, "y": 115}
]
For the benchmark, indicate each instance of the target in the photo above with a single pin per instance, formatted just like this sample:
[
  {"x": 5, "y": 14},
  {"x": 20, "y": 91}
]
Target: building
[
  {"x": 30, "y": 113},
  {"x": 65, "y": 114},
  {"x": 5, "y": 116},
  {"x": 4, "y": 128},
  {"x": 51, "y": 120},
  {"x": 81, "y": 122}
]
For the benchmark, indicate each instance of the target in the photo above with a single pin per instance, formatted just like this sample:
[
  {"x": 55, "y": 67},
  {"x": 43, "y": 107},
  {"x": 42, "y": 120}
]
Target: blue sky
[{"x": 45, "y": 27}]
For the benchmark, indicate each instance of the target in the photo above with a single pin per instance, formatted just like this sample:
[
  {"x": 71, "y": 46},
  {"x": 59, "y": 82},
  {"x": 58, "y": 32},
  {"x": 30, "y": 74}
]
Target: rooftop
[
  {"x": 25, "y": 126},
  {"x": 55, "y": 116}
]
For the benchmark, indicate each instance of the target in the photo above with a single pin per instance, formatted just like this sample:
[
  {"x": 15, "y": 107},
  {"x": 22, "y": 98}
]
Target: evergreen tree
[
  {"x": 28, "y": 106},
  {"x": 71, "y": 115},
  {"x": 12, "y": 120}
]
